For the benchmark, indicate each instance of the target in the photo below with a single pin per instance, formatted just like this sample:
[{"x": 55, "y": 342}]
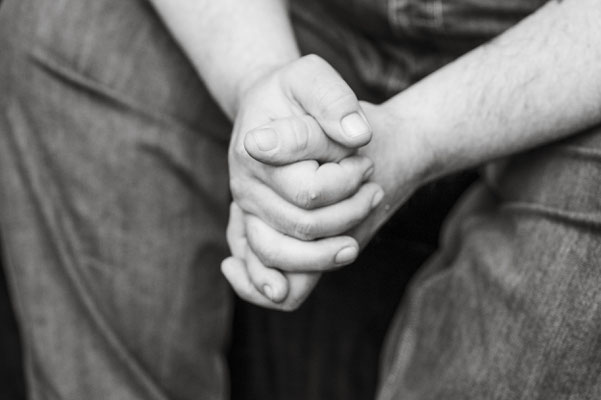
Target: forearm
[
  {"x": 536, "y": 83},
  {"x": 231, "y": 42}
]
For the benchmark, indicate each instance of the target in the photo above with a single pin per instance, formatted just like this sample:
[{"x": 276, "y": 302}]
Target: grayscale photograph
[{"x": 300, "y": 199}]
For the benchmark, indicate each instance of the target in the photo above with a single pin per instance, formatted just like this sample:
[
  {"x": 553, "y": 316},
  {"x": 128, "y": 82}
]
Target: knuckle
[
  {"x": 300, "y": 131},
  {"x": 305, "y": 229},
  {"x": 350, "y": 185},
  {"x": 238, "y": 153},
  {"x": 303, "y": 199},
  {"x": 334, "y": 98},
  {"x": 308, "y": 196},
  {"x": 243, "y": 191},
  {"x": 237, "y": 148},
  {"x": 267, "y": 254},
  {"x": 356, "y": 218},
  {"x": 306, "y": 65}
]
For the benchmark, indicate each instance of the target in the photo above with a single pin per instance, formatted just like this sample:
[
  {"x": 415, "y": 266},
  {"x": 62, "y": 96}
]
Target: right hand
[
  {"x": 401, "y": 166},
  {"x": 296, "y": 199}
]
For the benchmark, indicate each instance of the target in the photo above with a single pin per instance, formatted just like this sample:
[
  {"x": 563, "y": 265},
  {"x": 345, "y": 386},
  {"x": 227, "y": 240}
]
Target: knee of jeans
[{"x": 562, "y": 180}]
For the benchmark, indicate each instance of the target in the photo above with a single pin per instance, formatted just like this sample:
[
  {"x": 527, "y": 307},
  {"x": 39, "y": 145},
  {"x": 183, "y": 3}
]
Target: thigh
[
  {"x": 509, "y": 307},
  {"x": 113, "y": 160}
]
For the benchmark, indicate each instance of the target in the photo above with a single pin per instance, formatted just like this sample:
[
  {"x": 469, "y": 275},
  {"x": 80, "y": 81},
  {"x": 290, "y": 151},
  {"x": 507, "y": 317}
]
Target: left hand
[
  {"x": 255, "y": 245},
  {"x": 315, "y": 192}
]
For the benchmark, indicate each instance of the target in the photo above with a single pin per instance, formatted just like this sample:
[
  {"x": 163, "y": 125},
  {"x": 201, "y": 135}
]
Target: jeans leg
[
  {"x": 509, "y": 308},
  {"x": 114, "y": 203}
]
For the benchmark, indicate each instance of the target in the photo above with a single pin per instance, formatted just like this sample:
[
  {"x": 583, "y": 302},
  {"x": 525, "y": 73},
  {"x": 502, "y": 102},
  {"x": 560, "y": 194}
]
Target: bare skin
[
  {"x": 251, "y": 65},
  {"x": 534, "y": 84}
]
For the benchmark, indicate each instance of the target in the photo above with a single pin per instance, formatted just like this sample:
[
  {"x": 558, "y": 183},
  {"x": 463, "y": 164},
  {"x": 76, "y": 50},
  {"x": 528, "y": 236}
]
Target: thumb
[
  {"x": 322, "y": 93},
  {"x": 288, "y": 140}
]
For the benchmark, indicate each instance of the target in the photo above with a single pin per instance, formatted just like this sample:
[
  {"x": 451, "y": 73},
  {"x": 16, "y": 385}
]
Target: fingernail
[
  {"x": 377, "y": 199},
  {"x": 354, "y": 125},
  {"x": 346, "y": 255},
  {"x": 266, "y": 139},
  {"x": 368, "y": 173},
  {"x": 268, "y": 291}
]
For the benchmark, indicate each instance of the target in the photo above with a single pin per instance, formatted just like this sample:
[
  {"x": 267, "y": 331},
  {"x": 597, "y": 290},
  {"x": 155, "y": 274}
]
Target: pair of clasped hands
[{"x": 303, "y": 183}]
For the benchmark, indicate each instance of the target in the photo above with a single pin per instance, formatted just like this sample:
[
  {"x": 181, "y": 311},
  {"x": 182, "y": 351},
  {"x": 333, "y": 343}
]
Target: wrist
[
  {"x": 401, "y": 142},
  {"x": 250, "y": 80},
  {"x": 403, "y": 162},
  {"x": 412, "y": 129}
]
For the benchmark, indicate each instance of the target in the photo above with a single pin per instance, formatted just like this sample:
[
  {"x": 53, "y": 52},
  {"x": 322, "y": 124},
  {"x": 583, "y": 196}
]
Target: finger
[
  {"x": 287, "y": 140},
  {"x": 322, "y": 93},
  {"x": 300, "y": 287},
  {"x": 269, "y": 281},
  {"x": 275, "y": 249},
  {"x": 236, "y": 274},
  {"x": 303, "y": 224},
  {"x": 309, "y": 185},
  {"x": 235, "y": 233}
]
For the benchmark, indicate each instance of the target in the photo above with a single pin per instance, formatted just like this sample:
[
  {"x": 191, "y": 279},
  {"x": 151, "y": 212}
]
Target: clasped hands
[{"x": 304, "y": 196}]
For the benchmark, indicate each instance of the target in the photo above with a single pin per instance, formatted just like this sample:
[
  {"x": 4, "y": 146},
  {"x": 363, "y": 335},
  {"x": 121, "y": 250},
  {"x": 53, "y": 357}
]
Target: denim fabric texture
[
  {"x": 114, "y": 204},
  {"x": 509, "y": 308},
  {"x": 394, "y": 43}
]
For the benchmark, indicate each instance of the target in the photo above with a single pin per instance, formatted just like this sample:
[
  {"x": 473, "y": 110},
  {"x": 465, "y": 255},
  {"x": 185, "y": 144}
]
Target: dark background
[{"x": 11, "y": 379}]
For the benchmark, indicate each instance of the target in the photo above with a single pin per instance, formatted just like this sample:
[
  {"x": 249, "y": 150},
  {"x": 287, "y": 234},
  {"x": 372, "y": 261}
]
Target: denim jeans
[
  {"x": 509, "y": 307},
  {"x": 114, "y": 204}
]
